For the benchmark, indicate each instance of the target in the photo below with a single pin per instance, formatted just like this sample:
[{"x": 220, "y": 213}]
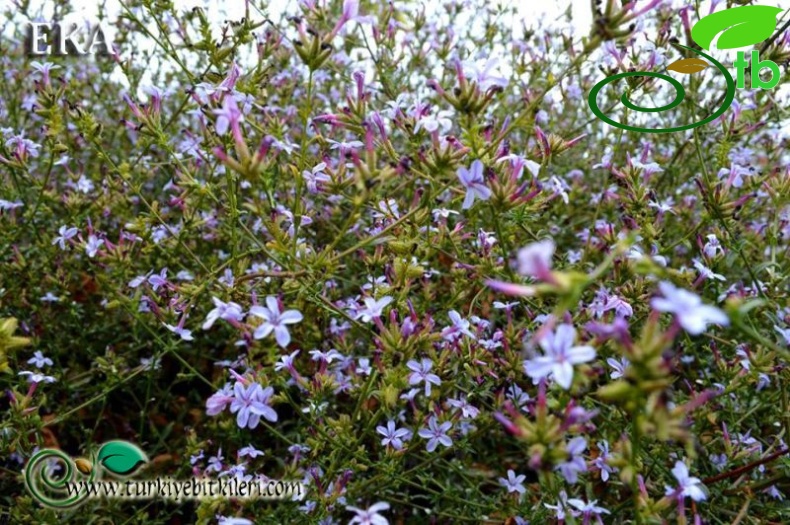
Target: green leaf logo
[
  {"x": 742, "y": 26},
  {"x": 121, "y": 457}
]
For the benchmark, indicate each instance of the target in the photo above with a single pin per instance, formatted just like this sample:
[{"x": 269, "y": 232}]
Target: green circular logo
[{"x": 680, "y": 95}]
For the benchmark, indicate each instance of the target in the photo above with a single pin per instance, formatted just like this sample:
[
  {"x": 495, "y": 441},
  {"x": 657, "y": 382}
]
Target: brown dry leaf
[{"x": 688, "y": 66}]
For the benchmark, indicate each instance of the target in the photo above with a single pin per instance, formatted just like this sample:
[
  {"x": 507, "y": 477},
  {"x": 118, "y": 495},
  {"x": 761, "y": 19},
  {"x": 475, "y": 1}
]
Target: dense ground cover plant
[{"x": 387, "y": 250}]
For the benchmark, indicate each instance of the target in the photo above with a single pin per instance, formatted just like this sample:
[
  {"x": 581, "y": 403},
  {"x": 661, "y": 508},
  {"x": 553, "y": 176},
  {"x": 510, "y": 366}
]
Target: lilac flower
[
  {"x": 499, "y": 305},
  {"x": 251, "y": 403},
  {"x": 519, "y": 162},
  {"x": 363, "y": 368},
  {"x": 35, "y": 377},
  {"x": 571, "y": 468},
  {"x": 84, "y": 185},
  {"x": 229, "y": 311},
  {"x": 215, "y": 462},
  {"x": 463, "y": 405},
  {"x": 600, "y": 462},
  {"x": 558, "y": 187},
  {"x": 179, "y": 330},
  {"x": 784, "y": 332},
  {"x": 588, "y": 510},
  {"x": 65, "y": 233},
  {"x": 472, "y": 180},
  {"x": 39, "y": 360},
  {"x": 228, "y": 117},
  {"x": 560, "y": 356},
  {"x": 561, "y": 507},
  {"x": 421, "y": 373},
  {"x": 369, "y": 516},
  {"x": 436, "y": 433},
  {"x": 534, "y": 260},
  {"x": 275, "y": 320},
  {"x": 158, "y": 280},
  {"x": 393, "y": 436},
  {"x": 93, "y": 245},
  {"x": 706, "y": 272},
  {"x": 433, "y": 122},
  {"x": 49, "y": 297},
  {"x": 8, "y": 205},
  {"x": 373, "y": 308},
  {"x": 514, "y": 483},
  {"x": 326, "y": 357},
  {"x": 137, "y": 281},
  {"x": 286, "y": 362},
  {"x": 44, "y": 68},
  {"x": 689, "y": 311},
  {"x": 485, "y": 73},
  {"x": 219, "y": 400},
  {"x": 688, "y": 486},
  {"x": 459, "y": 326},
  {"x": 517, "y": 396},
  {"x": 250, "y": 451},
  {"x": 618, "y": 366},
  {"x": 223, "y": 520},
  {"x": 345, "y": 147},
  {"x": 315, "y": 176},
  {"x": 712, "y": 247}
]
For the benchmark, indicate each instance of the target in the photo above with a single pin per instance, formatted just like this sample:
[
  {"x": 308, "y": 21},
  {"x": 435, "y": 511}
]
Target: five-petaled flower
[
  {"x": 275, "y": 320},
  {"x": 228, "y": 116},
  {"x": 250, "y": 403},
  {"x": 369, "y": 516},
  {"x": 688, "y": 486},
  {"x": 64, "y": 234},
  {"x": 514, "y": 483},
  {"x": 373, "y": 308},
  {"x": 436, "y": 434},
  {"x": 229, "y": 311},
  {"x": 39, "y": 360},
  {"x": 690, "y": 312},
  {"x": 393, "y": 436},
  {"x": 472, "y": 179},
  {"x": 421, "y": 372},
  {"x": 93, "y": 245},
  {"x": 560, "y": 356}
]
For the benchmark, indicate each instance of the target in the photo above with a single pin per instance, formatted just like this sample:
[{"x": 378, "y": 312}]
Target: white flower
[
  {"x": 432, "y": 123},
  {"x": 275, "y": 320},
  {"x": 228, "y": 311},
  {"x": 519, "y": 162},
  {"x": 370, "y": 516},
  {"x": 558, "y": 187},
  {"x": 514, "y": 483},
  {"x": 35, "y": 377},
  {"x": 373, "y": 308},
  {"x": 233, "y": 521},
  {"x": 39, "y": 360},
  {"x": 692, "y": 315},
  {"x": 688, "y": 486},
  {"x": 182, "y": 332},
  {"x": 93, "y": 245},
  {"x": 785, "y": 333},
  {"x": 315, "y": 176},
  {"x": 706, "y": 272},
  {"x": 65, "y": 233},
  {"x": 485, "y": 73},
  {"x": 560, "y": 356}
]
